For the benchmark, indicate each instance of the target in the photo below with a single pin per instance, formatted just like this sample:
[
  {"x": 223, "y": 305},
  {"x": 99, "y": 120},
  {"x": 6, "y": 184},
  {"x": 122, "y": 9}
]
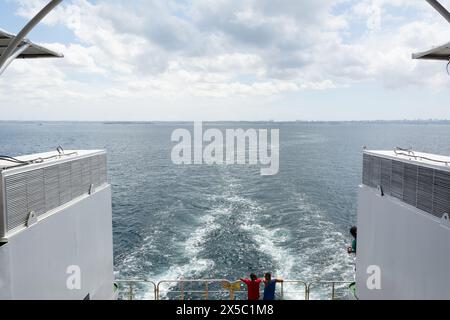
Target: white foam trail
[
  {"x": 266, "y": 239},
  {"x": 132, "y": 262},
  {"x": 320, "y": 239},
  {"x": 267, "y": 242},
  {"x": 191, "y": 248},
  {"x": 174, "y": 273},
  {"x": 295, "y": 265},
  {"x": 324, "y": 240}
]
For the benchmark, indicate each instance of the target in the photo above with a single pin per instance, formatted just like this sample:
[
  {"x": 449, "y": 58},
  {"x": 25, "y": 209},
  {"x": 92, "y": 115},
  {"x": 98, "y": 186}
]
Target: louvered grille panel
[
  {"x": 16, "y": 203},
  {"x": 386, "y": 171},
  {"x": 51, "y": 183},
  {"x": 35, "y": 192},
  {"x": 376, "y": 171},
  {"x": 425, "y": 188},
  {"x": 103, "y": 174},
  {"x": 76, "y": 183},
  {"x": 85, "y": 174},
  {"x": 397, "y": 180},
  {"x": 367, "y": 171},
  {"x": 410, "y": 184},
  {"x": 95, "y": 170},
  {"x": 441, "y": 195},
  {"x": 45, "y": 189},
  {"x": 3, "y": 225},
  {"x": 65, "y": 181}
]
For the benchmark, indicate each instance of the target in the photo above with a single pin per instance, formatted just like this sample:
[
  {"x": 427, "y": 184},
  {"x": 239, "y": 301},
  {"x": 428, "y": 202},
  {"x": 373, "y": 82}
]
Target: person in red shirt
[{"x": 252, "y": 286}]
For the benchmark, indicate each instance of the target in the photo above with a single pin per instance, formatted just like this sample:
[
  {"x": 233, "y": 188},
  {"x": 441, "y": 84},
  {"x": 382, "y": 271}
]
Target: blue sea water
[{"x": 202, "y": 221}]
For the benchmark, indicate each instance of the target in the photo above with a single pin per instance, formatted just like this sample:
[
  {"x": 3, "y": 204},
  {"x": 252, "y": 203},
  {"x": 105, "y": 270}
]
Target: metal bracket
[
  {"x": 91, "y": 189},
  {"x": 3, "y": 241},
  {"x": 445, "y": 219},
  {"x": 380, "y": 189},
  {"x": 32, "y": 219}
]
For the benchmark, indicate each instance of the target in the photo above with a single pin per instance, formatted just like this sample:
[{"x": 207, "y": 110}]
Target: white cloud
[{"x": 232, "y": 48}]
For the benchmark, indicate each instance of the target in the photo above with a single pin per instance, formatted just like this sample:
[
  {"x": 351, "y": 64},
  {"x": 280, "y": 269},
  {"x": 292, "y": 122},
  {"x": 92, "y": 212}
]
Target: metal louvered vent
[
  {"x": 424, "y": 188},
  {"x": 48, "y": 187}
]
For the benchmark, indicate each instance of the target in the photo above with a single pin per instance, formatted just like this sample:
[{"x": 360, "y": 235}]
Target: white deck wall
[
  {"x": 34, "y": 262},
  {"x": 411, "y": 247}
]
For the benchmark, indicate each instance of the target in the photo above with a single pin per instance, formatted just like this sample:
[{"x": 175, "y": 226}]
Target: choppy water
[{"x": 227, "y": 221}]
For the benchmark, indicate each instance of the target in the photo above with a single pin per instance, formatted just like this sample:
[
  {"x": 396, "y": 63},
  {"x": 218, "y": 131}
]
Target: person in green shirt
[
  {"x": 350, "y": 250},
  {"x": 353, "y": 232}
]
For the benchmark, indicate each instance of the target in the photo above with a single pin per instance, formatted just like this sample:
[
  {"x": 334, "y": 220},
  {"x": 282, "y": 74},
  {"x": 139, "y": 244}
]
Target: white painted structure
[
  {"x": 403, "y": 225},
  {"x": 403, "y": 217},
  {"x": 55, "y": 210},
  {"x": 56, "y": 227}
]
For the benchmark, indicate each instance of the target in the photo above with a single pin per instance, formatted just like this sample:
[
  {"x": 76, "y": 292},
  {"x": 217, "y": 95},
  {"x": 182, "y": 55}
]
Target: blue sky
[
  {"x": 228, "y": 60},
  {"x": 12, "y": 22}
]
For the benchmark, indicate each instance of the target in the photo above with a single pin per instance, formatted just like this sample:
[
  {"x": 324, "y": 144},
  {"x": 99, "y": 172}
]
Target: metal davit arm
[
  {"x": 12, "y": 57},
  {"x": 11, "y": 52},
  {"x": 440, "y": 8}
]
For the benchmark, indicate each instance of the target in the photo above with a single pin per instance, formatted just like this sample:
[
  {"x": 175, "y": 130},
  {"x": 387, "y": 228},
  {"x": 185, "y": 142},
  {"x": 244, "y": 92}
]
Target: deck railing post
[
  {"x": 333, "y": 291},
  {"x": 206, "y": 290},
  {"x": 130, "y": 293},
  {"x": 231, "y": 294},
  {"x": 157, "y": 291},
  {"x": 182, "y": 290},
  {"x": 306, "y": 291}
]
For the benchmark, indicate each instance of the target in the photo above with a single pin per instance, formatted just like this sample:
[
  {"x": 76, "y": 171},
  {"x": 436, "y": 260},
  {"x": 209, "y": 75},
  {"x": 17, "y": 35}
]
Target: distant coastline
[{"x": 413, "y": 122}]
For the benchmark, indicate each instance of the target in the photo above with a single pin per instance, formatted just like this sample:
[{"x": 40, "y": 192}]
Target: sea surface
[{"x": 223, "y": 222}]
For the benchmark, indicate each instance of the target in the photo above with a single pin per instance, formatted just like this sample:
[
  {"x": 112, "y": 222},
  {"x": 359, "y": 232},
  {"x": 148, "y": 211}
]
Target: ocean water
[{"x": 172, "y": 222}]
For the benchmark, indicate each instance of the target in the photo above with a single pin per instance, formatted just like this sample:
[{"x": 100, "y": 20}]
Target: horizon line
[{"x": 250, "y": 121}]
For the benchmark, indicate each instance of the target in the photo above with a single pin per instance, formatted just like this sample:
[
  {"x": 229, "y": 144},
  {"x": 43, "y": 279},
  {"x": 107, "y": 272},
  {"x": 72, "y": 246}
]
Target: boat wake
[{"x": 237, "y": 234}]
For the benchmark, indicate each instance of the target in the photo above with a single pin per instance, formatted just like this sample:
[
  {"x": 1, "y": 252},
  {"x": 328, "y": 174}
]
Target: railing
[
  {"x": 287, "y": 283},
  {"x": 132, "y": 284},
  {"x": 223, "y": 289},
  {"x": 204, "y": 287},
  {"x": 333, "y": 285}
]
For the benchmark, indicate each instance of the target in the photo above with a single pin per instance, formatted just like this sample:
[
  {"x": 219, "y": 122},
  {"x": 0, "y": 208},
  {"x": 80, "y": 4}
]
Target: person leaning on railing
[
  {"x": 352, "y": 248},
  {"x": 353, "y": 232},
  {"x": 252, "y": 286},
  {"x": 270, "y": 286}
]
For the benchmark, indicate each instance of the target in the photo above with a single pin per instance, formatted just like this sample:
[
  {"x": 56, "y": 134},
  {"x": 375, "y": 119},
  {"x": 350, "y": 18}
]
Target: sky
[{"x": 185, "y": 60}]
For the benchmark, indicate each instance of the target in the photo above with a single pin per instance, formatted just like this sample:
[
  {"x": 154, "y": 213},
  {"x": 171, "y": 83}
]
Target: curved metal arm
[
  {"x": 23, "y": 33},
  {"x": 8, "y": 61},
  {"x": 440, "y": 8}
]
